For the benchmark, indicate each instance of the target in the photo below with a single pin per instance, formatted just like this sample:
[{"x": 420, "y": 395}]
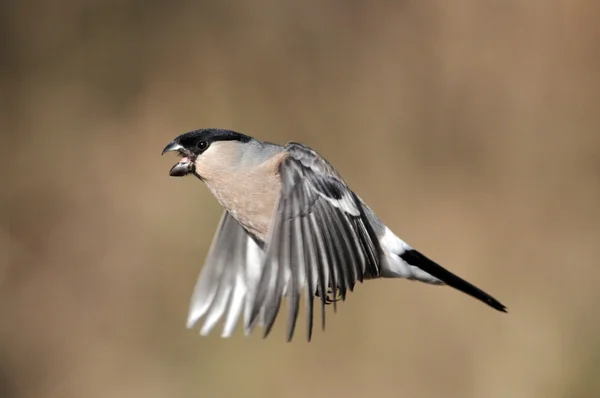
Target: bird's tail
[
  {"x": 406, "y": 262},
  {"x": 416, "y": 259}
]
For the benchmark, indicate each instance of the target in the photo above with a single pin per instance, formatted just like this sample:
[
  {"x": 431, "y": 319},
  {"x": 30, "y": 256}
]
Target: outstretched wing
[
  {"x": 228, "y": 279},
  {"x": 320, "y": 238}
]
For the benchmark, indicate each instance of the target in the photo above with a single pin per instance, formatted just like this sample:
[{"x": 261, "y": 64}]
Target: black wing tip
[{"x": 417, "y": 259}]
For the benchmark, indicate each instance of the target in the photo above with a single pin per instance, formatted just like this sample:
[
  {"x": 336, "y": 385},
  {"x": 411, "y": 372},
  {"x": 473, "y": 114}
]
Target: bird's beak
[
  {"x": 172, "y": 147},
  {"x": 184, "y": 166}
]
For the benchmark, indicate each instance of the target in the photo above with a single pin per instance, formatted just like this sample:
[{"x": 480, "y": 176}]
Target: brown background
[{"x": 471, "y": 127}]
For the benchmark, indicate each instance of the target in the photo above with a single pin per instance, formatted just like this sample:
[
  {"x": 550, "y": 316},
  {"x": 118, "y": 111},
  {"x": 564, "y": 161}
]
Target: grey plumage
[
  {"x": 318, "y": 221},
  {"x": 309, "y": 233}
]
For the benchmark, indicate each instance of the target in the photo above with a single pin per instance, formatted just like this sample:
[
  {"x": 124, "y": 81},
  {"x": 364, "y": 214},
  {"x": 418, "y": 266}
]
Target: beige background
[{"x": 472, "y": 128}]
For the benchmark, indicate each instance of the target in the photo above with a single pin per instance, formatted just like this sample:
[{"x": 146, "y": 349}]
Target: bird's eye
[{"x": 202, "y": 145}]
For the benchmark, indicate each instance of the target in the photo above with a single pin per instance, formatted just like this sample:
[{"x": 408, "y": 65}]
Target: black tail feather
[{"x": 417, "y": 259}]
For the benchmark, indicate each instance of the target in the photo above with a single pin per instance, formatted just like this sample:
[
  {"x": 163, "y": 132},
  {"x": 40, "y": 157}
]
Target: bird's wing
[
  {"x": 229, "y": 276},
  {"x": 320, "y": 238}
]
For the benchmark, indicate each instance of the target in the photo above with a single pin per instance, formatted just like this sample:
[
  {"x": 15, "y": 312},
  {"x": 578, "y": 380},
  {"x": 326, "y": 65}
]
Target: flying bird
[{"x": 291, "y": 225}]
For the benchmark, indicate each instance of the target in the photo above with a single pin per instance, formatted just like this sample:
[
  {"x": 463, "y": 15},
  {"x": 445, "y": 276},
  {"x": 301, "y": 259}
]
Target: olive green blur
[{"x": 471, "y": 127}]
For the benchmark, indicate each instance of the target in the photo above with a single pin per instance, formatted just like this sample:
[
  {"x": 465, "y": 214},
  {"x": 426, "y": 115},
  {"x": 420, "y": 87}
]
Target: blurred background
[{"x": 471, "y": 128}]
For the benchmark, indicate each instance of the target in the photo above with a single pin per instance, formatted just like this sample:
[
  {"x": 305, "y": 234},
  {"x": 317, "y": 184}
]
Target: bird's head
[{"x": 203, "y": 148}]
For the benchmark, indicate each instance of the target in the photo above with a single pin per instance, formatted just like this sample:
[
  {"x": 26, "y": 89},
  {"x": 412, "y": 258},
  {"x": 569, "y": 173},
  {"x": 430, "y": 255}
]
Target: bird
[{"x": 291, "y": 227}]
